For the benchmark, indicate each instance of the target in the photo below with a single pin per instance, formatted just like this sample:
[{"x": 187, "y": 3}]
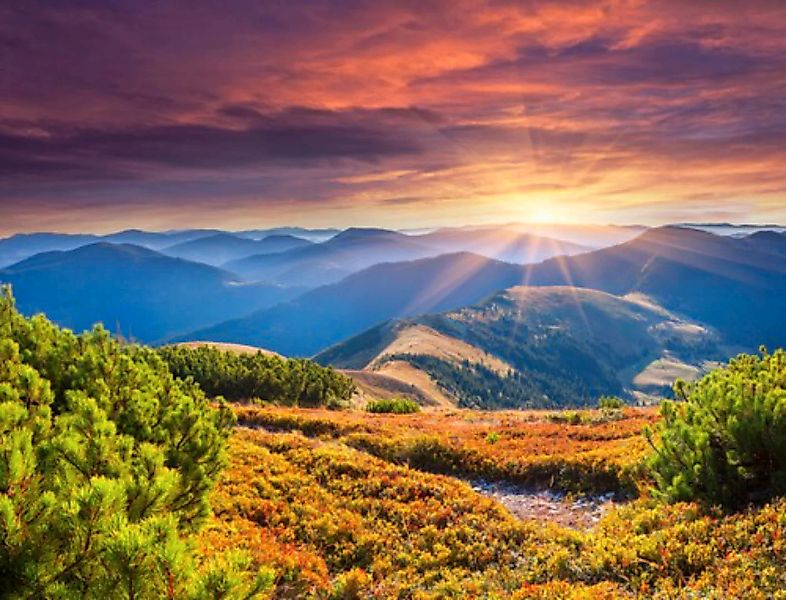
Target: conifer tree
[
  {"x": 106, "y": 462},
  {"x": 725, "y": 442}
]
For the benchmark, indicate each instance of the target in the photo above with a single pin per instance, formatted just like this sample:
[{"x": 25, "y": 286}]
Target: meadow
[{"x": 353, "y": 505}]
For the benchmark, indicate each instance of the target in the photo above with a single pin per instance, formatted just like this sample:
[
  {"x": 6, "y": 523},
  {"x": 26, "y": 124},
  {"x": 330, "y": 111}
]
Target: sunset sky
[{"x": 238, "y": 114}]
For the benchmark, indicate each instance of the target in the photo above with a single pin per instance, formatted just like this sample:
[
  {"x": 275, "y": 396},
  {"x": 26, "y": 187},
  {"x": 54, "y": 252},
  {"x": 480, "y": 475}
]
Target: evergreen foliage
[
  {"x": 610, "y": 403},
  {"x": 397, "y": 406},
  {"x": 725, "y": 444},
  {"x": 106, "y": 465},
  {"x": 477, "y": 386},
  {"x": 288, "y": 382}
]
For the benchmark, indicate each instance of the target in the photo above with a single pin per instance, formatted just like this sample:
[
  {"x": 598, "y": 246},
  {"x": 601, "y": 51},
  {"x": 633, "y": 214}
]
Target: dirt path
[{"x": 524, "y": 503}]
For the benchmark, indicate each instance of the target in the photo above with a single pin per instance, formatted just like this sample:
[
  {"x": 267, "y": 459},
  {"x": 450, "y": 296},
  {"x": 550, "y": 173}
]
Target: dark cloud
[{"x": 296, "y": 137}]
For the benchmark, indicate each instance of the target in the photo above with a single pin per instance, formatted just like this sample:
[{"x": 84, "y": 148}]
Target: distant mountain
[
  {"x": 772, "y": 242},
  {"x": 533, "y": 347},
  {"x": 349, "y": 251},
  {"x": 155, "y": 240},
  {"x": 357, "y": 248},
  {"x": 221, "y": 248},
  {"x": 312, "y": 235},
  {"x": 591, "y": 236},
  {"x": 330, "y": 313},
  {"x": 137, "y": 291},
  {"x": 734, "y": 229},
  {"x": 727, "y": 283},
  {"x": 24, "y": 245},
  {"x": 736, "y": 285},
  {"x": 499, "y": 243}
]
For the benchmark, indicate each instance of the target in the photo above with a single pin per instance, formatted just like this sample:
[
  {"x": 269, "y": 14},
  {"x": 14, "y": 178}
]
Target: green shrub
[
  {"x": 725, "y": 443},
  {"x": 287, "y": 382},
  {"x": 105, "y": 470},
  {"x": 610, "y": 403},
  {"x": 398, "y": 406},
  {"x": 570, "y": 417}
]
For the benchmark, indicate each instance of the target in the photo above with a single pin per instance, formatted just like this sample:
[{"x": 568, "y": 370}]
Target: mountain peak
[{"x": 364, "y": 233}]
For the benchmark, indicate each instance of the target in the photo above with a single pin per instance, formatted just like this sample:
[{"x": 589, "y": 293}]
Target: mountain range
[
  {"x": 222, "y": 248},
  {"x": 356, "y": 249},
  {"x": 24, "y": 245},
  {"x": 133, "y": 291},
  {"x": 340, "y": 297},
  {"x": 734, "y": 285}
]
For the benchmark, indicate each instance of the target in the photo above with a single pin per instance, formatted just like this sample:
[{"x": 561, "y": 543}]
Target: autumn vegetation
[{"x": 124, "y": 475}]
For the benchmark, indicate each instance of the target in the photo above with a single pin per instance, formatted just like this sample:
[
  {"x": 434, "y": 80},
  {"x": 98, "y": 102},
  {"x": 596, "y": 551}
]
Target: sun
[{"x": 541, "y": 215}]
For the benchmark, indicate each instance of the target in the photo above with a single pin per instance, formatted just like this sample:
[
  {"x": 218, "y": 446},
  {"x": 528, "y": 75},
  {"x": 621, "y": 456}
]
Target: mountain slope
[
  {"x": 549, "y": 346},
  {"x": 330, "y": 313},
  {"x": 349, "y": 251},
  {"x": 772, "y": 242},
  {"x": 137, "y": 291},
  {"x": 24, "y": 245},
  {"x": 224, "y": 247},
  {"x": 729, "y": 283}
]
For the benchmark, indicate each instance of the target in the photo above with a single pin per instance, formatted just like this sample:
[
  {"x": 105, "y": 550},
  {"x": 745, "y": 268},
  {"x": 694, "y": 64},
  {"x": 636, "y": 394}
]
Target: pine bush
[{"x": 724, "y": 443}]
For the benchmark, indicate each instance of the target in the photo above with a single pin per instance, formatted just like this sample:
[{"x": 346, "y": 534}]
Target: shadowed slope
[
  {"x": 331, "y": 313},
  {"x": 135, "y": 291}
]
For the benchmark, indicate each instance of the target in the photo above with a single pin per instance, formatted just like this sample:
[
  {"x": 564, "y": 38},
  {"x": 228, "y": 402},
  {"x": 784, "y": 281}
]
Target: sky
[{"x": 415, "y": 113}]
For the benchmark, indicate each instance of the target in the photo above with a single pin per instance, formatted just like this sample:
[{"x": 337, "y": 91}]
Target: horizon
[
  {"x": 135, "y": 115},
  {"x": 405, "y": 230}
]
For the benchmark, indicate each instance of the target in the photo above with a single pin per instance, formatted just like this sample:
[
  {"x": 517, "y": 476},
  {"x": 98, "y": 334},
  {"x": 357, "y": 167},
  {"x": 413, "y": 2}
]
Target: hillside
[
  {"x": 331, "y": 313},
  {"x": 233, "y": 348},
  {"x": 550, "y": 346},
  {"x": 24, "y": 245},
  {"x": 350, "y": 251},
  {"x": 358, "y": 248},
  {"x": 132, "y": 290},
  {"x": 736, "y": 285},
  {"x": 224, "y": 247}
]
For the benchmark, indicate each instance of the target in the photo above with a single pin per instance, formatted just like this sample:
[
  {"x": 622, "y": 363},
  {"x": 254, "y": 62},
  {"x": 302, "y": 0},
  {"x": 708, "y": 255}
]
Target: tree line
[{"x": 270, "y": 378}]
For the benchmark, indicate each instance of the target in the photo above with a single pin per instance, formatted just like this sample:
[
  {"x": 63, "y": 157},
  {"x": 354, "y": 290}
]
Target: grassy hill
[
  {"x": 536, "y": 347},
  {"x": 736, "y": 285}
]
